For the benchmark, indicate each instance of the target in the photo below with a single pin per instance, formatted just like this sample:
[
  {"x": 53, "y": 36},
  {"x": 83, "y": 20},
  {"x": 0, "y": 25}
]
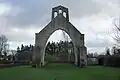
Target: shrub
[
  {"x": 113, "y": 61},
  {"x": 5, "y": 62},
  {"x": 50, "y": 58},
  {"x": 22, "y": 62},
  {"x": 101, "y": 61}
]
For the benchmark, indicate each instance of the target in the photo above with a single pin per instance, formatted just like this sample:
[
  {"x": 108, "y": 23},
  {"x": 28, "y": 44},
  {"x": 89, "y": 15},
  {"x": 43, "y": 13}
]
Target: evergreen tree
[
  {"x": 22, "y": 47},
  {"x": 114, "y": 50},
  {"x": 18, "y": 49},
  {"x": 0, "y": 53},
  {"x": 108, "y": 51},
  {"x": 30, "y": 46}
]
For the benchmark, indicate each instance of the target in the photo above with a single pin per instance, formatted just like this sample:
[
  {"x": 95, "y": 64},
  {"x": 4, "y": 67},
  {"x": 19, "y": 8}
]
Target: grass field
[{"x": 60, "y": 72}]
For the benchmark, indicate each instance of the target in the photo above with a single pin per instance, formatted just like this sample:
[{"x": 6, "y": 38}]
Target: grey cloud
[
  {"x": 25, "y": 13},
  {"x": 97, "y": 43},
  {"x": 31, "y": 12},
  {"x": 81, "y": 8},
  {"x": 18, "y": 35},
  {"x": 34, "y": 10}
]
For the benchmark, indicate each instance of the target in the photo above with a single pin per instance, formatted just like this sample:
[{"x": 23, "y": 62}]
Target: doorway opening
[{"x": 59, "y": 48}]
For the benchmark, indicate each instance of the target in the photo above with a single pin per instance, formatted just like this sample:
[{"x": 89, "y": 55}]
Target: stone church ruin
[{"x": 59, "y": 21}]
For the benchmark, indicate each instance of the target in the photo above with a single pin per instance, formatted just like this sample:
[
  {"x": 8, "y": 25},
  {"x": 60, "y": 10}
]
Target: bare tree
[
  {"x": 95, "y": 54},
  {"x": 114, "y": 50},
  {"x": 107, "y": 51},
  {"x": 3, "y": 43},
  {"x": 13, "y": 54},
  {"x": 116, "y": 30}
]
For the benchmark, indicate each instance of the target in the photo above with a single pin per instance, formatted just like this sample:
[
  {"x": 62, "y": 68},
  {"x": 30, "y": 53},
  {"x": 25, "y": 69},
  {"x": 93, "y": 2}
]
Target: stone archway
[{"x": 59, "y": 20}]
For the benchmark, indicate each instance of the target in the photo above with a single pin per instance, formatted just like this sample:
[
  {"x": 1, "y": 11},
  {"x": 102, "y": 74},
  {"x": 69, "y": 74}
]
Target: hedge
[
  {"x": 101, "y": 61},
  {"x": 112, "y": 61},
  {"x": 5, "y": 62}
]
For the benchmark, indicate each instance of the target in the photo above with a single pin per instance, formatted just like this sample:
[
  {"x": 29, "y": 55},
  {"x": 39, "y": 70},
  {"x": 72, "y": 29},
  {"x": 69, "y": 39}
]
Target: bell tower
[{"x": 60, "y": 10}]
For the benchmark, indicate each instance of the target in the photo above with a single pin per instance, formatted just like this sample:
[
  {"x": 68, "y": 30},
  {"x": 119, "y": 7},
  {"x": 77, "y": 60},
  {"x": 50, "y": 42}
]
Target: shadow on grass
[
  {"x": 103, "y": 77},
  {"x": 63, "y": 66}
]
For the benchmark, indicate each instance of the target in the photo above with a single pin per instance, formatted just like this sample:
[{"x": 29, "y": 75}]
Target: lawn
[{"x": 60, "y": 72}]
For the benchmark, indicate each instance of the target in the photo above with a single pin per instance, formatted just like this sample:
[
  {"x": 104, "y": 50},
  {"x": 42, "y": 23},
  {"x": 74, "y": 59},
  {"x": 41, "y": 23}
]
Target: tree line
[{"x": 24, "y": 52}]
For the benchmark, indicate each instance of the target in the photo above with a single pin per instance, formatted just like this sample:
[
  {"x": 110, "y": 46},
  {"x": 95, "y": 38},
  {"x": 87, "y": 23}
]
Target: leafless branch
[{"x": 116, "y": 30}]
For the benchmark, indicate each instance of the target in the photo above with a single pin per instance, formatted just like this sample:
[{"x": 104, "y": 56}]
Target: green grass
[{"x": 60, "y": 72}]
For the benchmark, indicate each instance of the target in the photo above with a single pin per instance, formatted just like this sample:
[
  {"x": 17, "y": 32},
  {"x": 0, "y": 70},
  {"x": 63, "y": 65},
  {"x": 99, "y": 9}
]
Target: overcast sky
[{"x": 21, "y": 19}]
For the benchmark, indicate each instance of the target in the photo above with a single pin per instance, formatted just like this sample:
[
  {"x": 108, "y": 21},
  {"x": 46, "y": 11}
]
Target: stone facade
[{"x": 59, "y": 22}]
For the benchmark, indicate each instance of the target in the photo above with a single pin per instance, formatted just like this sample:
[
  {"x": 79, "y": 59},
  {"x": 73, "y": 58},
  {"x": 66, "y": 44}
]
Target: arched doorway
[
  {"x": 59, "y": 48},
  {"x": 59, "y": 23}
]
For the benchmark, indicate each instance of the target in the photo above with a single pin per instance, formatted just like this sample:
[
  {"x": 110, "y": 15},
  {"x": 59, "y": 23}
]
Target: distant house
[{"x": 92, "y": 60}]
